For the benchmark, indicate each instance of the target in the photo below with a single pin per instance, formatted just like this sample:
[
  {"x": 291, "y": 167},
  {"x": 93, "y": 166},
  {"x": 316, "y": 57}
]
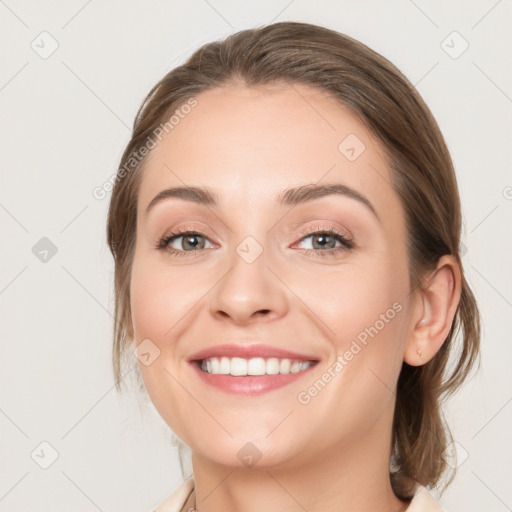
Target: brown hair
[{"x": 422, "y": 175}]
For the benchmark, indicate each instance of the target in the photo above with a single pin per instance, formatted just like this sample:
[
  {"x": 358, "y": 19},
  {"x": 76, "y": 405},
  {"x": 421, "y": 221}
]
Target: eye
[
  {"x": 326, "y": 241},
  {"x": 181, "y": 242}
]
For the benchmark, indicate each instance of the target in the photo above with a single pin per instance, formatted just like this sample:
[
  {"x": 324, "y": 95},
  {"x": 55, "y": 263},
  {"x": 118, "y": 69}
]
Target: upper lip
[{"x": 248, "y": 352}]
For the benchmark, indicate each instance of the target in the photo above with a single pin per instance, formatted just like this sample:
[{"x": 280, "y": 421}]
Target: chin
[{"x": 249, "y": 451}]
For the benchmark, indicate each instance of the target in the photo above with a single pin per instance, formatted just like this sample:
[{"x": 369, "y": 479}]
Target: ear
[{"x": 434, "y": 311}]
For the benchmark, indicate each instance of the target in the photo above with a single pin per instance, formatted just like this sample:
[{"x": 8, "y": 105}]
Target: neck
[{"x": 351, "y": 476}]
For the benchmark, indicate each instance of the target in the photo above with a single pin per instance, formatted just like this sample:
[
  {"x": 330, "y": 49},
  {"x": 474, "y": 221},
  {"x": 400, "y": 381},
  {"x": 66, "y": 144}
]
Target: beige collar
[{"x": 422, "y": 501}]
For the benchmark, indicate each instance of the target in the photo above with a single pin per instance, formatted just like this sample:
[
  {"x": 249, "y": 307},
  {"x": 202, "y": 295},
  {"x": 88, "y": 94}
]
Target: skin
[{"x": 249, "y": 145}]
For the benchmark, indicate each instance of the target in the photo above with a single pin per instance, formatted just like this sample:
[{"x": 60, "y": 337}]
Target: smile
[
  {"x": 250, "y": 368},
  {"x": 249, "y": 385},
  {"x": 240, "y": 367}
]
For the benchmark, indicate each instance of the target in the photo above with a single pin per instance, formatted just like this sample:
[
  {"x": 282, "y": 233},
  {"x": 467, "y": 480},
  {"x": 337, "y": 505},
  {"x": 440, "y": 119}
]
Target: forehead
[{"x": 250, "y": 143}]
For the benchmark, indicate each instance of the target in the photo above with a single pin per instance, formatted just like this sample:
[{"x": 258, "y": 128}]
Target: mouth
[
  {"x": 239, "y": 367},
  {"x": 250, "y": 370}
]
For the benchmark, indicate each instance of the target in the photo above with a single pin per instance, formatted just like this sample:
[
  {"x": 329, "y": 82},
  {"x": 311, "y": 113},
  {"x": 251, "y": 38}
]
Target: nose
[{"x": 249, "y": 291}]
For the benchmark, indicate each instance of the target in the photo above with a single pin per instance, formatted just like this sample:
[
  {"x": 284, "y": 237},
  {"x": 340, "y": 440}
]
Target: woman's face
[{"x": 311, "y": 288}]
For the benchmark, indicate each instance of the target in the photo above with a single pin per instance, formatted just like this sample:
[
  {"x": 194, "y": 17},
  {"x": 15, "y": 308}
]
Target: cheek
[
  {"x": 363, "y": 319},
  {"x": 160, "y": 298},
  {"x": 160, "y": 302},
  {"x": 362, "y": 310},
  {"x": 351, "y": 300}
]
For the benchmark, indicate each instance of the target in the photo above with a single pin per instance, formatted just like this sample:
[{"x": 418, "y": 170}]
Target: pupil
[
  {"x": 325, "y": 238},
  {"x": 188, "y": 242}
]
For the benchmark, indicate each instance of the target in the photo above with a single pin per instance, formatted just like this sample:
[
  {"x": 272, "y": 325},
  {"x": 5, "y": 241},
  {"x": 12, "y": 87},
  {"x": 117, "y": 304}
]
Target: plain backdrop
[{"x": 72, "y": 76}]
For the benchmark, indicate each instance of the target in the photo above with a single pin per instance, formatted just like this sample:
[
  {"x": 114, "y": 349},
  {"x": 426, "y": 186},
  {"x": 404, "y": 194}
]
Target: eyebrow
[{"x": 289, "y": 197}]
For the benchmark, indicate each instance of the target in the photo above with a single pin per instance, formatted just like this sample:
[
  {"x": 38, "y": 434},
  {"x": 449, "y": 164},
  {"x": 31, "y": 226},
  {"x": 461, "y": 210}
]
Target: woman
[{"x": 285, "y": 226}]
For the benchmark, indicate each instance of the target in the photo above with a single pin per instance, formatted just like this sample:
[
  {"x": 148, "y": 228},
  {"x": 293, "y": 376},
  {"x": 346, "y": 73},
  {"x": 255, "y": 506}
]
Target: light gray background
[{"x": 65, "y": 120}]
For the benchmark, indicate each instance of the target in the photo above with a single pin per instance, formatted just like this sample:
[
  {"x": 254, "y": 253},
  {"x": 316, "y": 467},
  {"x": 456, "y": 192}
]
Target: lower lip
[{"x": 249, "y": 384}]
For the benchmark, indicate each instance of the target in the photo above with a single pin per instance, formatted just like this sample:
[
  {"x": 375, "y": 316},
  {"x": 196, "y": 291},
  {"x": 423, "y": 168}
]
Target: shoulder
[
  {"x": 178, "y": 498},
  {"x": 423, "y": 501}
]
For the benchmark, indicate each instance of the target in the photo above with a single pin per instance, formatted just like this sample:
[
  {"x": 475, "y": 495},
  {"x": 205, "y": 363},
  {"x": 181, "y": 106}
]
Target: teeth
[
  {"x": 225, "y": 366},
  {"x": 256, "y": 366},
  {"x": 237, "y": 366},
  {"x": 296, "y": 367},
  {"x": 284, "y": 366}
]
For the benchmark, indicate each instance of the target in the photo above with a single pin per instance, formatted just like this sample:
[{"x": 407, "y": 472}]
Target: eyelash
[{"x": 346, "y": 244}]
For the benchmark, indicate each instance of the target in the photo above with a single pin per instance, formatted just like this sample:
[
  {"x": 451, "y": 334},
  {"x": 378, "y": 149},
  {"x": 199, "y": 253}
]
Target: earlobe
[{"x": 434, "y": 312}]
